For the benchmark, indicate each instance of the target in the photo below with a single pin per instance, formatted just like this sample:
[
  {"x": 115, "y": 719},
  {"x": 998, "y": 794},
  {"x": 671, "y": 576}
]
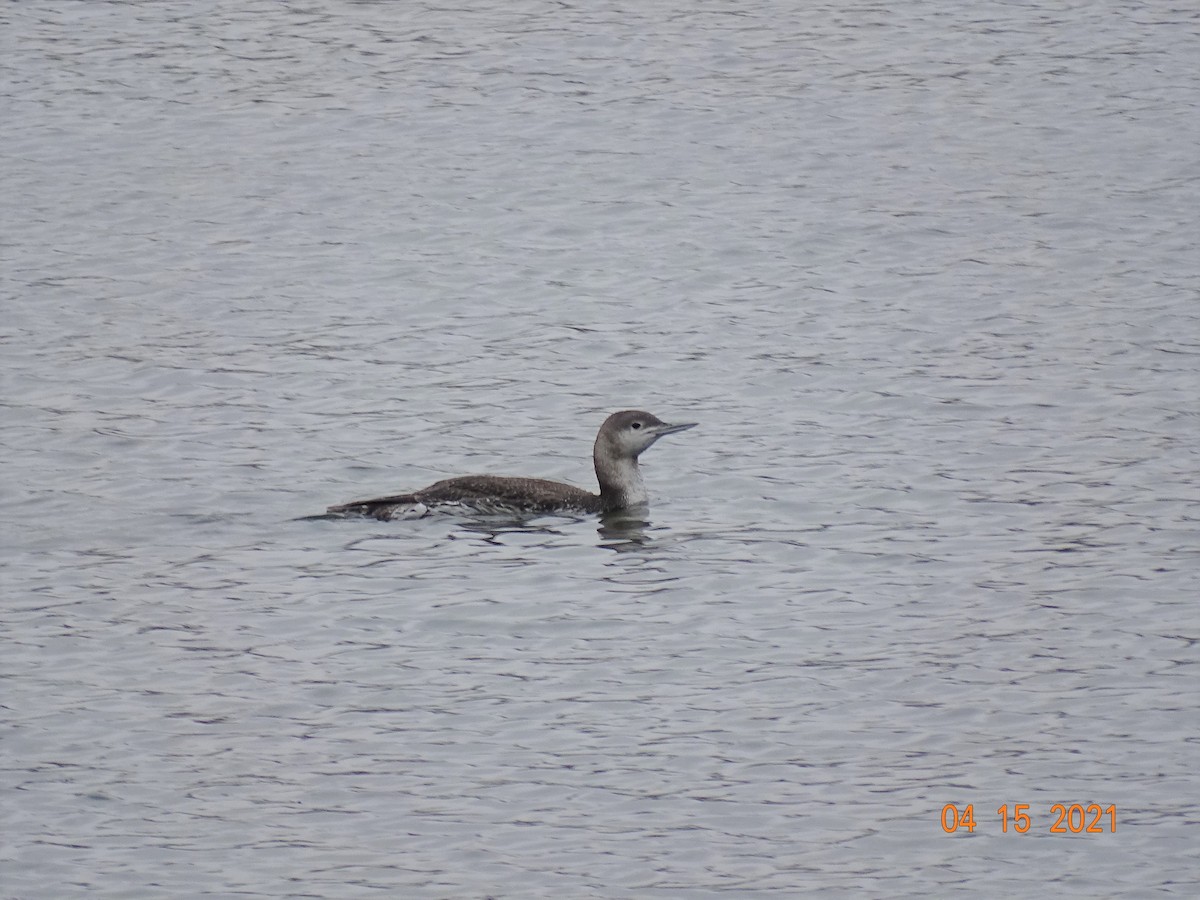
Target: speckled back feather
[{"x": 488, "y": 493}]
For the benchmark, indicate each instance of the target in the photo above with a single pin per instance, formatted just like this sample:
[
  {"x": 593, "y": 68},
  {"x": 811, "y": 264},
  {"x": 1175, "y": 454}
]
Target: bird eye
[{"x": 635, "y": 425}]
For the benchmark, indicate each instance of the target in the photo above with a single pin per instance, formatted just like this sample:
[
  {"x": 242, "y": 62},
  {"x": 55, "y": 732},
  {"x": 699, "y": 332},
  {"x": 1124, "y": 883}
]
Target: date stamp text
[{"x": 1064, "y": 818}]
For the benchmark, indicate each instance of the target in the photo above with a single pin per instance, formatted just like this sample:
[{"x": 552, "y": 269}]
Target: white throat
[{"x": 621, "y": 480}]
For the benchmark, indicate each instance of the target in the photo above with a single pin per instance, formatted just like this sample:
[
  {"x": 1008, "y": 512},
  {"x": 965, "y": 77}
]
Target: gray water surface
[{"x": 927, "y": 276}]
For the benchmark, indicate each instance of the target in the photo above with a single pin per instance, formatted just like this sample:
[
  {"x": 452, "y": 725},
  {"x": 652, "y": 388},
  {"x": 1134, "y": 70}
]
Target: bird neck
[{"x": 620, "y": 480}]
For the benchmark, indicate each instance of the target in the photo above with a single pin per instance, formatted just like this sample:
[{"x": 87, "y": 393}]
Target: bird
[{"x": 623, "y": 437}]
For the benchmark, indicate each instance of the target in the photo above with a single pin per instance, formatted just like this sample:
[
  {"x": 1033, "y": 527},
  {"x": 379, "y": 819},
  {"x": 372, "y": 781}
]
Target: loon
[{"x": 621, "y": 439}]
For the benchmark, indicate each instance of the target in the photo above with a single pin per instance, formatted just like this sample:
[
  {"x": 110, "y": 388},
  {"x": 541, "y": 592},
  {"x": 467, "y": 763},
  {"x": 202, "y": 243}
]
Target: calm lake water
[{"x": 925, "y": 273}]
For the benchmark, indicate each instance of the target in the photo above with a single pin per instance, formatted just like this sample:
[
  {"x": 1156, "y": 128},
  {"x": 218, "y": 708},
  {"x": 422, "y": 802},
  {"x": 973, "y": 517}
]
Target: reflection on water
[{"x": 624, "y": 529}]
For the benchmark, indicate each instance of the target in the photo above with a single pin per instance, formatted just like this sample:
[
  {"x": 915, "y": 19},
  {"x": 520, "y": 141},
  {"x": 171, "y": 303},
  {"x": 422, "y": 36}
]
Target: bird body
[{"x": 621, "y": 439}]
